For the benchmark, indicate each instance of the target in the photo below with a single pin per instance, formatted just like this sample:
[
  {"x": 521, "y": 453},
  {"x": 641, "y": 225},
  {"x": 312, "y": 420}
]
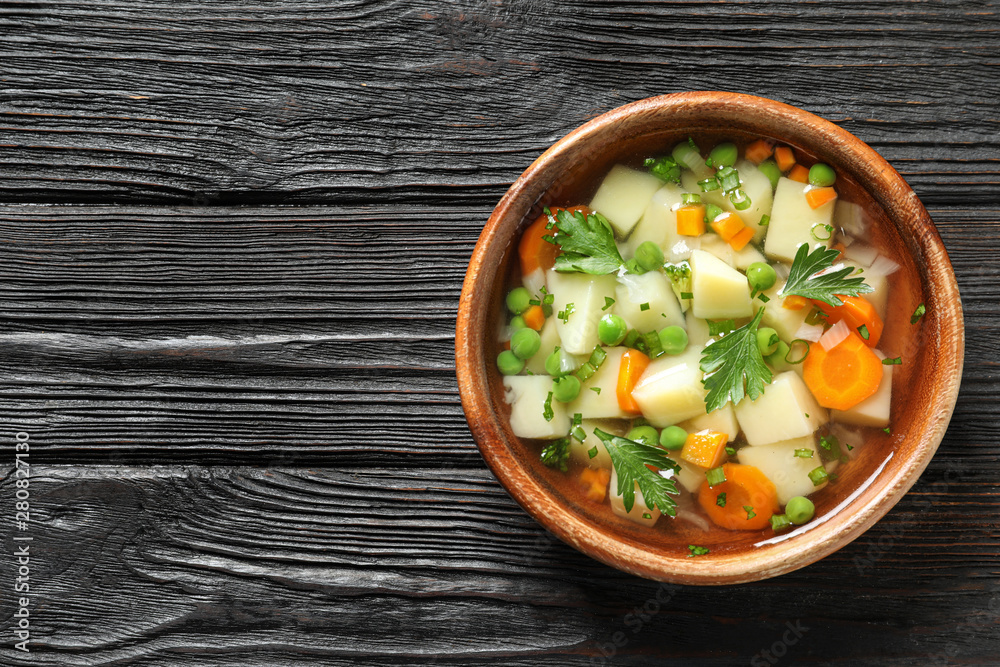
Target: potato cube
[
  {"x": 670, "y": 390},
  {"x": 659, "y": 225},
  {"x": 603, "y": 404},
  {"x": 792, "y": 221},
  {"x": 526, "y": 395},
  {"x": 720, "y": 291},
  {"x": 646, "y": 302},
  {"x": 788, "y": 473},
  {"x": 586, "y": 293},
  {"x": 623, "y": 196},
  {"x": 785, "y": 411},
  {"x": 874, "y": 410}
]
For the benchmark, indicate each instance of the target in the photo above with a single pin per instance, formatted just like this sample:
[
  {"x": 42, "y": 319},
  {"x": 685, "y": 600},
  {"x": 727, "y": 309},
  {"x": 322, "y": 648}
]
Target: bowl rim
[{"x": 905, "y": 211}]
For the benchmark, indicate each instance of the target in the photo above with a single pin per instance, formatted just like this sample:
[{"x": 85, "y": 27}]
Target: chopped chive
[
  {"x": 687, "y": 295},
  {"x": 731, "y": 451},
  {"x": 749, "y": 510},
  {"x": 598, "y": 356},
  {"x": 696, "y": 550},
  {"x": 596, "y": 390},
  {"x": 592, "y": 452},
  {"x": 534, "y": 302},
  {"x": 720, "y": 499},
  {"x": 579, "y": 433},
  {"x": 804, "y": 453},
  {"x": 895, "y": 361},
  {"x": 765, "y": 220},
  {"x": 917, "y": 314},
  {"x": 818, "y": 475},
  {"x": 825, "y": 228},
  {"x": 709, "y": 184},
  {"x": 715, "y": 476},
  {"x": 791, "y": 349},
  {"x": 585, "y": 372},
  {"x": 780, "y": 522},
  {"x": 690, "y": 198},
  {"x": 647, "y": 515},
  {"x": 644, "y": 306},
  {"x": 763, "y": 297},
  {"x": 887, "y": 430},
  {"x": 564, "y": 314},
  {"x": 549, "y": 299},
  {"x": 608, "y": 302},
  {"x": 547, "y": 408},
  {"x": 863, "y": 330}
]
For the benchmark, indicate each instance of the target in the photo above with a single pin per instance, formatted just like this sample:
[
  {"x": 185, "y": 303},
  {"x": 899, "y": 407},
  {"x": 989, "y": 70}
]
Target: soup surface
[{"x": 697, "y": 349}]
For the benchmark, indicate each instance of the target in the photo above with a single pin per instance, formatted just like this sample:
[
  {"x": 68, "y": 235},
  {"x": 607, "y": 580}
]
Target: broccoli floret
[{"x": 680, "y": 282}]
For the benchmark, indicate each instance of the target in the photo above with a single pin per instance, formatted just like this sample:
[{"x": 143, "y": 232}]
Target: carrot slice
[
  {"x": 759, "y": 151},
  {"x": 843, "y": 376},
  {"x": 632, "y": 366},
  {"x": 784, "y": 157},
  {"x": 728, "y": 225},
  {"x": 745, "y": 486},
  {"x": 534, "y": 317},
  {"x": 800, "y": 174},
  {"x": 794, "y": 302},
  {"x": 742, "y": 238},
  {"x": 691, "y": 220},
  {"x": 856, "y": 311},
  {"x": 819, "y": 196},
  {"x": 595, "y": 483},
  {"x": 535, "y": 252},
  {"x": 705, "y": 448}
]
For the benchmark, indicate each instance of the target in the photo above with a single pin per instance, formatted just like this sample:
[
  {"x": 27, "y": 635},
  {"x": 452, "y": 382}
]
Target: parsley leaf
[
  {"x": 630, "y": 459},
  {"x": 587, "y": 242},
  {"x": 803, "y": 281},
  {"x": 732, "y": 362},
  {"x": 556, "y": 454}
]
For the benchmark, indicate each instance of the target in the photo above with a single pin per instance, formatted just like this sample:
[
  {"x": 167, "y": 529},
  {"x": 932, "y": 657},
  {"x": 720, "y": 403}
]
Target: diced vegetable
[
  {"x": 603, "y": 404},
  {"x": 799, "y": 174},
  {"x": 623, "y": 195},
  {"x": 789, "y": 473},
  {"x": 595, "y": 483},
  {"x": 691, "y": 220},
  {"x": 792, "y": 221},
  {"x": 857, "y": 311},
  {"x": 745, "y": 486},
  {"x": 690, "y": 476},
  {"x": 670, "y": 390},
  {"x": 534, "y": 318},
  {"x": 720, "y": 291},
  {"x": 816, "y": 197},
  {"x": 759, "y": 150},
  {"x": 722, "y": 420},
  {"x": 784, "y": 157},
  {"x": 652, "y": 290},
  {"x": 787, "y": 410},
  {"x": 639, "y": 512},
  {"x": 844, "y": 376},
  {"x": 631, "y": 368},
  {"x": 706, "y": 449},
  {"x": 527, "y": 395},
  {"x": 586, "y": 292}
]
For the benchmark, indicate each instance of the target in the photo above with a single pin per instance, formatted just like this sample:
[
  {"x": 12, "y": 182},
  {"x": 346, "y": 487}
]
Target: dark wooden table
[{"x": 232, "y": 239}]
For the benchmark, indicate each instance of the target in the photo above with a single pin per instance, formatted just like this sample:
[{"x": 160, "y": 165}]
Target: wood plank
[
  {"x": 371, "y": 100},
  {"x": 293, "y": 335},
  {"x": 220, "y": 565}
]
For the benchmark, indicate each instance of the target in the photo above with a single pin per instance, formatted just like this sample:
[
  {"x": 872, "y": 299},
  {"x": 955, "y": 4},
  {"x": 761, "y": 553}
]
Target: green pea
[
  {"x": 724, "y": 155},
  {"x": 761, "y": 276},
  {"x": 712, "y": 212},
  {"x": 673, "y": 339},
  {"x": 770, "y": 169},
  {"x": 509, "y": 364},
  {"x": 566, "y": 388},
  {"x": 649, "y": 256},
  {"x": 525, "y": 343},
  {"x": 767, "y": 340},
  {"x": 517, "y": 322},
  {"x": 685, "y": 155},
  {"x": 553, "y": 364},
  {"x": 673, "y": 438},
  {"x": 799, "y": 510},
  {"x": 644, "y": 434},
  {"x": 611, "y": 329},
  {"x": 822, "y": 175},
  {"x": 517, "y": 300}
]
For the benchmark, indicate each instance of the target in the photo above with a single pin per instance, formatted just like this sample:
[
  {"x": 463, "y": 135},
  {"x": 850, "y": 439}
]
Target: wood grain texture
[
  {"x": 425, "y": 566},
  {"x": 249, "y": 447},
  {"x": 378, "y": 100}
]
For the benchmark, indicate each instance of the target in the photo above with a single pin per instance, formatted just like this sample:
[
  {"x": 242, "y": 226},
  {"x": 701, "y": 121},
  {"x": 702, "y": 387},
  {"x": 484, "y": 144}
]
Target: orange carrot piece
[
  {"x": 839, "y": 247},
  {"x": 784, "y": 157},
  {"x": 856, "y": 311},
  {"x": 506, "y": 345},
  {"x": 745, "y": 486},
  {"x": 595, "y": 483},
  {"x": 794, "y": 302},
  {"x": 819, "y": 196},
  {"x": 728, "y": 225},
  {"x": 759, "y": 151},
  {"x": 843, "y": 376},
  {"x": 691, "y": 220},
  {"x": 800, "y": 174},
  {"x": 742, "y": 238},
  {"x": 535, "y": 252},
  {"x": 534, "y": 317},
  {"x": 632, "y": 366},
  {"x": 705, "y": 448}
]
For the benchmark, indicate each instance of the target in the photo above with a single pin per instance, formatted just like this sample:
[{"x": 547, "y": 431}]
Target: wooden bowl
[{"x": 924, "y": 392}]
